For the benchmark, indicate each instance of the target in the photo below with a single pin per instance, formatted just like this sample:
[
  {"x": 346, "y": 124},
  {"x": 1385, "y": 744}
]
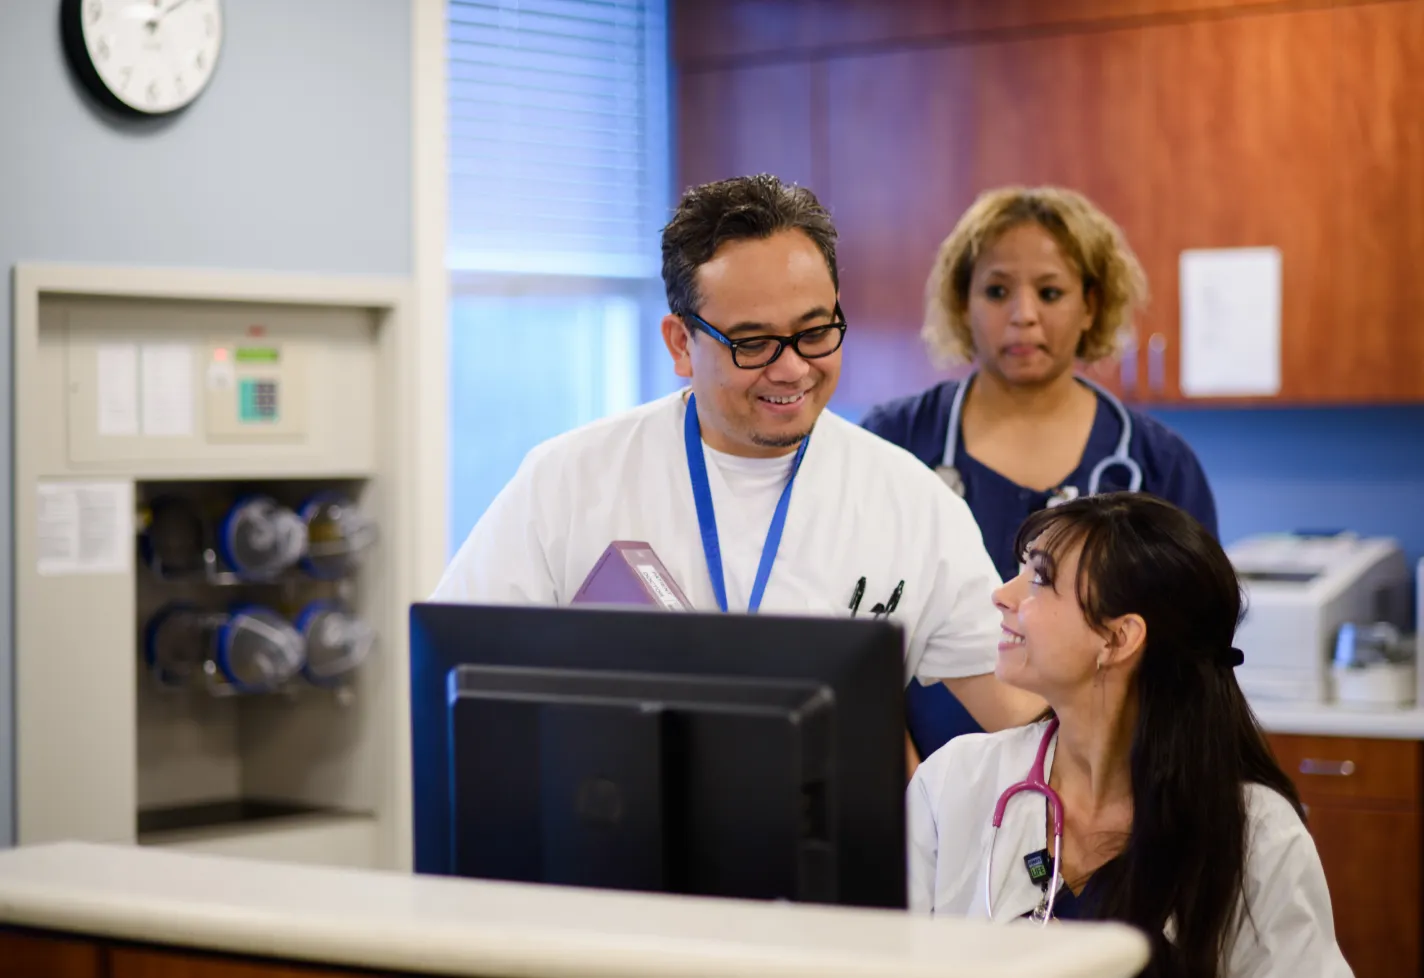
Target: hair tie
[{"x": 1232, "y": 658}]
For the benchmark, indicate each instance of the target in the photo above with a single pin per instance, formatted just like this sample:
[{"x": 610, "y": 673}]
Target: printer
[{"x": 1299, "y": 589}]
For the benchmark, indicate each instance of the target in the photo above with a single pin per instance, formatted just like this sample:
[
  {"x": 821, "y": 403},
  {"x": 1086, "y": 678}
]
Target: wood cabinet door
[
  {"x": 1372, "y": 859},
  {"x": 1370, "y": 352},
  {"x": 1296, "y": 127},
  {"x": 25, "y": 955},
  {"x": 1369, "y": 771},
  {"x": 129, "y": 962},
  {"x": 1243, "y": 153},
  {"x": 913, "y": 136},
  {"x": 1362, "y": 798}
]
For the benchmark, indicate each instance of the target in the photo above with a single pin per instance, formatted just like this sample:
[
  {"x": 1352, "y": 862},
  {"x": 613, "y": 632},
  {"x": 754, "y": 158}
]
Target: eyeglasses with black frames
[{"x": 755, "y": 352}]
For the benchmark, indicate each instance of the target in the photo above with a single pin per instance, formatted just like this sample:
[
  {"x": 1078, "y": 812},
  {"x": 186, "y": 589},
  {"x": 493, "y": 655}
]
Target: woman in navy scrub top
[{"x": 1029, "y": 283}]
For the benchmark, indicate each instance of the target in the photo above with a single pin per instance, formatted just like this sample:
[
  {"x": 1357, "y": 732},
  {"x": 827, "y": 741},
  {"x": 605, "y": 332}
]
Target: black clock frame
[{"x": 71, "y": 29}]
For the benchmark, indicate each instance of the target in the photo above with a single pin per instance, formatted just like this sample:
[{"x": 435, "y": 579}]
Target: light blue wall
[
  {"x": 1288, "y": 469},
  {"x": 296, "y": 159},
  {"x": 1282, "y": 469}
]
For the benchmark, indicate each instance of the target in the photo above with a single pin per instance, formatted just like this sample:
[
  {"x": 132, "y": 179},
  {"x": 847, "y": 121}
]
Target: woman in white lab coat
[{"x": 1174, "y": 815}]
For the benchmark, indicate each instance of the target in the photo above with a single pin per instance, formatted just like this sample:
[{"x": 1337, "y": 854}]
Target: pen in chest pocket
[
  {"x": 856, "y": 595},
  {"x": 880, "y": 608}
]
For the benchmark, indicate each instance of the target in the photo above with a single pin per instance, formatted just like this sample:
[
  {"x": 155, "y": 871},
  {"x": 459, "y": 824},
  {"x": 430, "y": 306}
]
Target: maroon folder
[{"x": 630, "y": 573}]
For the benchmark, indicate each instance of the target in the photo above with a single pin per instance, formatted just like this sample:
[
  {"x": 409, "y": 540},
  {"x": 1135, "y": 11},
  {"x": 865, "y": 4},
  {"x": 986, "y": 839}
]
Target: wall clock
[{"x": 143, "y": 57}]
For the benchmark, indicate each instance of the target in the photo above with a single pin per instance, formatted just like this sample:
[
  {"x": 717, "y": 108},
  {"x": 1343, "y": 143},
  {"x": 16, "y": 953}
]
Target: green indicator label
[{"x": 256, "y": 354}]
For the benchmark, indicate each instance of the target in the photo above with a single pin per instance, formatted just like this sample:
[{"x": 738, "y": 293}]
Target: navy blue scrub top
[
  {"x": 919, "y": 424},
  {"x": 1080, "y": 906},
  {"x": 1070, "y": 906},
  {"x": 1067, "y": 905}
]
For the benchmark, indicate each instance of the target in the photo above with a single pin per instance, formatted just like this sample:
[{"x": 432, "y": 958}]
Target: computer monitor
[{"x": 751, "y": 756}]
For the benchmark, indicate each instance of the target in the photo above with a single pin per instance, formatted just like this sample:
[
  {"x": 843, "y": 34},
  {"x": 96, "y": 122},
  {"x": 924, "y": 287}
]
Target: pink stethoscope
[{"x": 1034, "y": 782}]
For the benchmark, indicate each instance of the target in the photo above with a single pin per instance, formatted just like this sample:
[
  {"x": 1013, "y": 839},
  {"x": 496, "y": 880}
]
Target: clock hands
[{"x": 158, "y": 15}]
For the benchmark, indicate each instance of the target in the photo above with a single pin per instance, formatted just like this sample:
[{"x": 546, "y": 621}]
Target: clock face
[{"x": 145, "y": 56}]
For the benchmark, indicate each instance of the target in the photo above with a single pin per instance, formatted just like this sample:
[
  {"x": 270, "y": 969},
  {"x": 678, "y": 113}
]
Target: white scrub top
[
  {"x": 860, "y": 507},
  {"x": 950, "y": 802}
]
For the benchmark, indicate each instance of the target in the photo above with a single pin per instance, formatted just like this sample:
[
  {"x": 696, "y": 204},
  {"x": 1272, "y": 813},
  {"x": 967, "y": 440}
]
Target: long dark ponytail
[{"x": 1197, "y": 743}]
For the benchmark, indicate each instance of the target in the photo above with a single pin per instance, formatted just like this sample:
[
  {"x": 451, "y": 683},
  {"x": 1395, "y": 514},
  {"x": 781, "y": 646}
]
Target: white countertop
[
  {"x": 1330, "y": 720},
  {"x": 444, "y": 926}
]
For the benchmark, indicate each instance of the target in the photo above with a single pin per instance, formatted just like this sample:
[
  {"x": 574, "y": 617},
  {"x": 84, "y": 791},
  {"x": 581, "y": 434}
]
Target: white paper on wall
[
  {"x": 167, "y": 384},
  {"x": 84, "y": 527},
  {"x": 1231, "y": 322},
  {"x": 117, "y": 371}
]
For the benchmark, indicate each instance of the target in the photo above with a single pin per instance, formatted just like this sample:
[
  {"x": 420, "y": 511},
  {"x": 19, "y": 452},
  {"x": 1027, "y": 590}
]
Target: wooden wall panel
[
  {"x": 746, "y": 120},
  {"x": 1372, "y": 345},
  {"x": 711, "y": 32},
  {"x": 896, "y": 169},
  {"x": 915, "y": 136},
  {"x": 1293, "y": 124},
  {"x": 881, "y": 364},
  {"x": 1068, "y": 110},
  {"x": 1243, "y": 155},
  {"x": 707, "y": 32}
]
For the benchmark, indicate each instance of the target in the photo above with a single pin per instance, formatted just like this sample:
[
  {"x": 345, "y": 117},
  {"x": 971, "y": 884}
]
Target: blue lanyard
[{"x": 707, "y": 517}]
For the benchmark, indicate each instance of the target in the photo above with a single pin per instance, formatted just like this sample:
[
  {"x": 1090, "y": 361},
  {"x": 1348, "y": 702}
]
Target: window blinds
[{"x": 557, "y": 135}]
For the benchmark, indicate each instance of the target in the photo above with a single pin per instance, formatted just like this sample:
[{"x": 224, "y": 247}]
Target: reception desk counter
[{"x": 79, "y": 910}]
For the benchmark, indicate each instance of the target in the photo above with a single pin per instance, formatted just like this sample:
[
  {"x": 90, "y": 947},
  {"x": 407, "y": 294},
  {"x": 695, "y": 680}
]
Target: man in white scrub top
[{"x": 753, "y": 495}]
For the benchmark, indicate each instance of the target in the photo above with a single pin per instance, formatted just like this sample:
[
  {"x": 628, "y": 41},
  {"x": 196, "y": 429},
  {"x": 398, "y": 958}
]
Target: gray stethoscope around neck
[{"x": 1062, "y": 494}]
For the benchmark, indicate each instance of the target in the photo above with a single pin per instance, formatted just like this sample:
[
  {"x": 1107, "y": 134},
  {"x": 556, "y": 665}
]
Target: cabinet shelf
[{"x": 257, "y": 829}]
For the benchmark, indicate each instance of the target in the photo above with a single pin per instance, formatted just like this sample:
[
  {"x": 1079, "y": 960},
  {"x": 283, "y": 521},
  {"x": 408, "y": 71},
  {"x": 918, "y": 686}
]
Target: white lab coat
[
  {"x": 860, "y": 507},
  {"x": 950, "y": 802}
]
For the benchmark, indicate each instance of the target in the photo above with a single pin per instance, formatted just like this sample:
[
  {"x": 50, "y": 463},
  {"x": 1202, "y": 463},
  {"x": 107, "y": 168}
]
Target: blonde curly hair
[{"x": 1090, "y": 241}]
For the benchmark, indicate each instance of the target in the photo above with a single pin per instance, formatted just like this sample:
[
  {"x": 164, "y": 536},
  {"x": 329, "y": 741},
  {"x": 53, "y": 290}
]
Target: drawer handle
[
  {"x": 1128, "y": 366},
  {"x": 1333, "y": 769},
  {"x": 1156, "y": 367}
]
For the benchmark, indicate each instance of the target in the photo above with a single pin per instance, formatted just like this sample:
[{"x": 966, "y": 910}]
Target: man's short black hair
[{"x": 734, "y": 210}]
